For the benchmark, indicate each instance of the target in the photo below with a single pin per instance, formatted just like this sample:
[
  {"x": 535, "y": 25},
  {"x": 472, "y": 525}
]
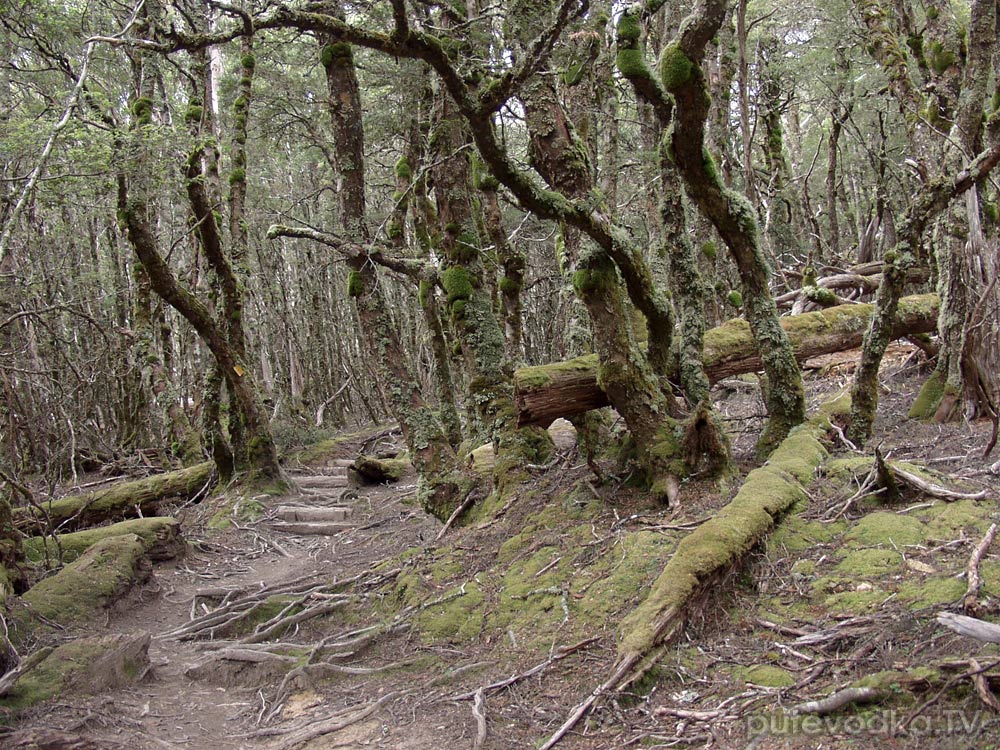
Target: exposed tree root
[{"x": 713, "y": 548}]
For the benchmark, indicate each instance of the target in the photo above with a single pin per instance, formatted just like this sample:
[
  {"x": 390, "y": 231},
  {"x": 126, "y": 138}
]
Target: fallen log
[
  {"x": 123, "y": 500},
  {"x": 160, "y": 536},
  {"x": 562, "y": 389}
]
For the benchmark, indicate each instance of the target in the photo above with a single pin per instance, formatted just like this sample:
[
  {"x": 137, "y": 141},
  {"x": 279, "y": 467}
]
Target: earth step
[
  {"x": 303, "y": 513},
  {"x": 321, "y": 482},
  {"x": 326, "y": 528}
]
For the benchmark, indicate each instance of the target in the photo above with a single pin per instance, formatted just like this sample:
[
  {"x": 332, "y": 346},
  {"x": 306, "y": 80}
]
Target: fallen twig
[
  {"x": 838, "y": 700},
  {"x": 970, "y": 626},
  {"x": 971, "y": 601},
  {"x": 479, "y": 712}
]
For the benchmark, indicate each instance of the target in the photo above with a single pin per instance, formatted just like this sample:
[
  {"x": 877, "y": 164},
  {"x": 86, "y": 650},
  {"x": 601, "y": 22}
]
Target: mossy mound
[
  {"x": 160, "y": 536},
  {"x": 93, "y": 582},
  {"x": 373, "y": 470},
  {"x": 766, "y": 675},
  {"x": 86, "y": 666}
]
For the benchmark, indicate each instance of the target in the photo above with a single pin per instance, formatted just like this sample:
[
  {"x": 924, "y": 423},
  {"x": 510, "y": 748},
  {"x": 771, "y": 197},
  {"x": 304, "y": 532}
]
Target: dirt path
[{"x": 174, "y": 708}]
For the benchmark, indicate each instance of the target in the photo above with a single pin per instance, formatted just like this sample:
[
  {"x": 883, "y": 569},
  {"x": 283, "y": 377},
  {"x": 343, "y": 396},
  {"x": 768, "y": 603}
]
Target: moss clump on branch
[
  {"x": 331, "y": 53},
  {"x": 632, "y": 63},
  {"x": 248, "y": 61},
  {"x": 676, "y": 68},
  {"x": 355, "y": 284},
  {"x": 142, "y": 110},
  {"x": 457, "y": 283}
]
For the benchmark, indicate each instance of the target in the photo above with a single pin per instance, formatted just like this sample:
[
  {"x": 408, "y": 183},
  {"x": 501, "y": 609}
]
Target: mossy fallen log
[
  {"x": 123, "y": 500},
  {"x": 373, "y": 470},
  {"x": 85, "y": 666},
  {"x": 711, "y": 550},
  {"x": 562, "y": 389},
  {"x": 85, "y": 587},
  {"x": 160, "y": 536}
]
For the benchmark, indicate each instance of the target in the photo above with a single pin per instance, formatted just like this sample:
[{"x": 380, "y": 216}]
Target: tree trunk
[{"x": 547, "y": 392}]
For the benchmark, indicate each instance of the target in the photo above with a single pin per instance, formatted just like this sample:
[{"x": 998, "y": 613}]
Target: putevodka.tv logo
[{"x": 883, "y": 723}]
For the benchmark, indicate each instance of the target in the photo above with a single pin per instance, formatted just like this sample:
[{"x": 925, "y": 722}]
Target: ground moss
[
  {"x": 458, "y": 617},
  {"x": 855, "y": 602},
  {"x": 766, "y": 675},
  {"x": 887, "y": 529},
  {"x": 796, "y": 534},
  {"x": 937, "y": 591},
  {"x": 867, "y": 563},
  {"x": 947, "y": 521}
]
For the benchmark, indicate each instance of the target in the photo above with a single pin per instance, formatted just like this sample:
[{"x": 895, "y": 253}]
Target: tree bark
[{"x": 545, "y": 393}]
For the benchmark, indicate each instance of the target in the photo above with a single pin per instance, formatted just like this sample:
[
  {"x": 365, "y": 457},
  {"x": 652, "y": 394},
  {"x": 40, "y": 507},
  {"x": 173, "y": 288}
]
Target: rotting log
[
  {"x": 160, "y": 536},
  {"x": 84, "y": 588},
  {"x": 142, "y": 497},
  {"x": 562, "y": 389}
]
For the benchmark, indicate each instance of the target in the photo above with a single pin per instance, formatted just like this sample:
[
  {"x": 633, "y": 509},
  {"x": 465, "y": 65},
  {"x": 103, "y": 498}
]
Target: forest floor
[{"x": 514, "y": 617}]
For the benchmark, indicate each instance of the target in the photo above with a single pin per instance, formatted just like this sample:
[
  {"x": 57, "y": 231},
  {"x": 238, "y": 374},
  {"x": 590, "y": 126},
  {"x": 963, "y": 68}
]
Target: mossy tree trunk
[
  {"x": 731, "y": 214},
  {"x": 134, "y": 200},
  {"x": 443, "y": 486}
]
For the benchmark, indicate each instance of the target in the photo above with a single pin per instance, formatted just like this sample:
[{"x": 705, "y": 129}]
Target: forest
[{"x": 517, "y": 374}]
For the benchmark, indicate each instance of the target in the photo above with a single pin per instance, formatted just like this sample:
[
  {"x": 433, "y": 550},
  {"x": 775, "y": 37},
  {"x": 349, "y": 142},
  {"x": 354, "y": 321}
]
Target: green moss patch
[
  {"x": 767, "y": 675},
  {"x": 867, "y": 563},
  {"x": 887, "y": 529},
  {"x": 85, "y": 666},
  {"x": 937, "y": 591},
  {"x": 85, "y": 587}
]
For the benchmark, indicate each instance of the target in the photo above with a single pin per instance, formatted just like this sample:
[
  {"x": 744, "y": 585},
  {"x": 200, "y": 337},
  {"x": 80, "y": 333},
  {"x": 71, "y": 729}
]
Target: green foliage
[
  {"x": 991, "y": 211},
  {"x": 676, "y": 69},
  {"x": 248, "y": 62},
  {"x": 237, "y": 175},
  {"x": 709, "y": 249},
  {"x": 355, "y": 284},
  {"x": 735, "y": 299},
  {"x": 941, "y": 58},
  {"x": 457, "y": 283},
  {"x": 192, "y": 115}
]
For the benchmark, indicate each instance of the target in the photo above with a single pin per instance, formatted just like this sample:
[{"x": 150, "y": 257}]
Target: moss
[
  {"x": 947, "y": 521},
  {"x": 142, "y": 110},
  {"x": 510, "y": 286},
  {"x": 735, "y": 299},
  {"x": 710, "y": 250},
  {"x": 937, "y": 591},
  {"x": 248, "y": 61},
  {"x": 888, "y": 529},
  {"x": 991, "y": 211},
  {"x": 425, "y": 292},
  {"x": 676, "y": 69},
  {"x": 767, "y": 494},
  {"x": 192, "y": 114},
  {"x": 355, "y": 284},
  {"x": 403, "y": 169},
  {"x": 868, "y": 563},
  {"x": 941, "y": 58},
  {"x": 855, "y": 602},
  {"x": 929, "y": 398},
  {"x": 766, "y": 675},
  {"x": 458, "y": 617},
  {"x": 334, "y": 52},
  {"x": 796, "y": 534},
  {"x": 84, "y": 666},
  {"x": 150, "y": 531},
  {"x": 629, "y": 29},
  {"x": 632, "y": 63},
  {"x": 92, "y": 582},
  {"x": 237, "y": 176},
  {"x": 458, "y": 309},
  {"x": 457, "y": 283}
]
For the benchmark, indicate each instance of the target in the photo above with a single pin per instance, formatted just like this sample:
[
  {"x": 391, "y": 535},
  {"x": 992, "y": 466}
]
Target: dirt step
[
  {"x": 324, "y": 528},
  {"x": 321, "y": 482},
  {"x": 303, "y": 513}
]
